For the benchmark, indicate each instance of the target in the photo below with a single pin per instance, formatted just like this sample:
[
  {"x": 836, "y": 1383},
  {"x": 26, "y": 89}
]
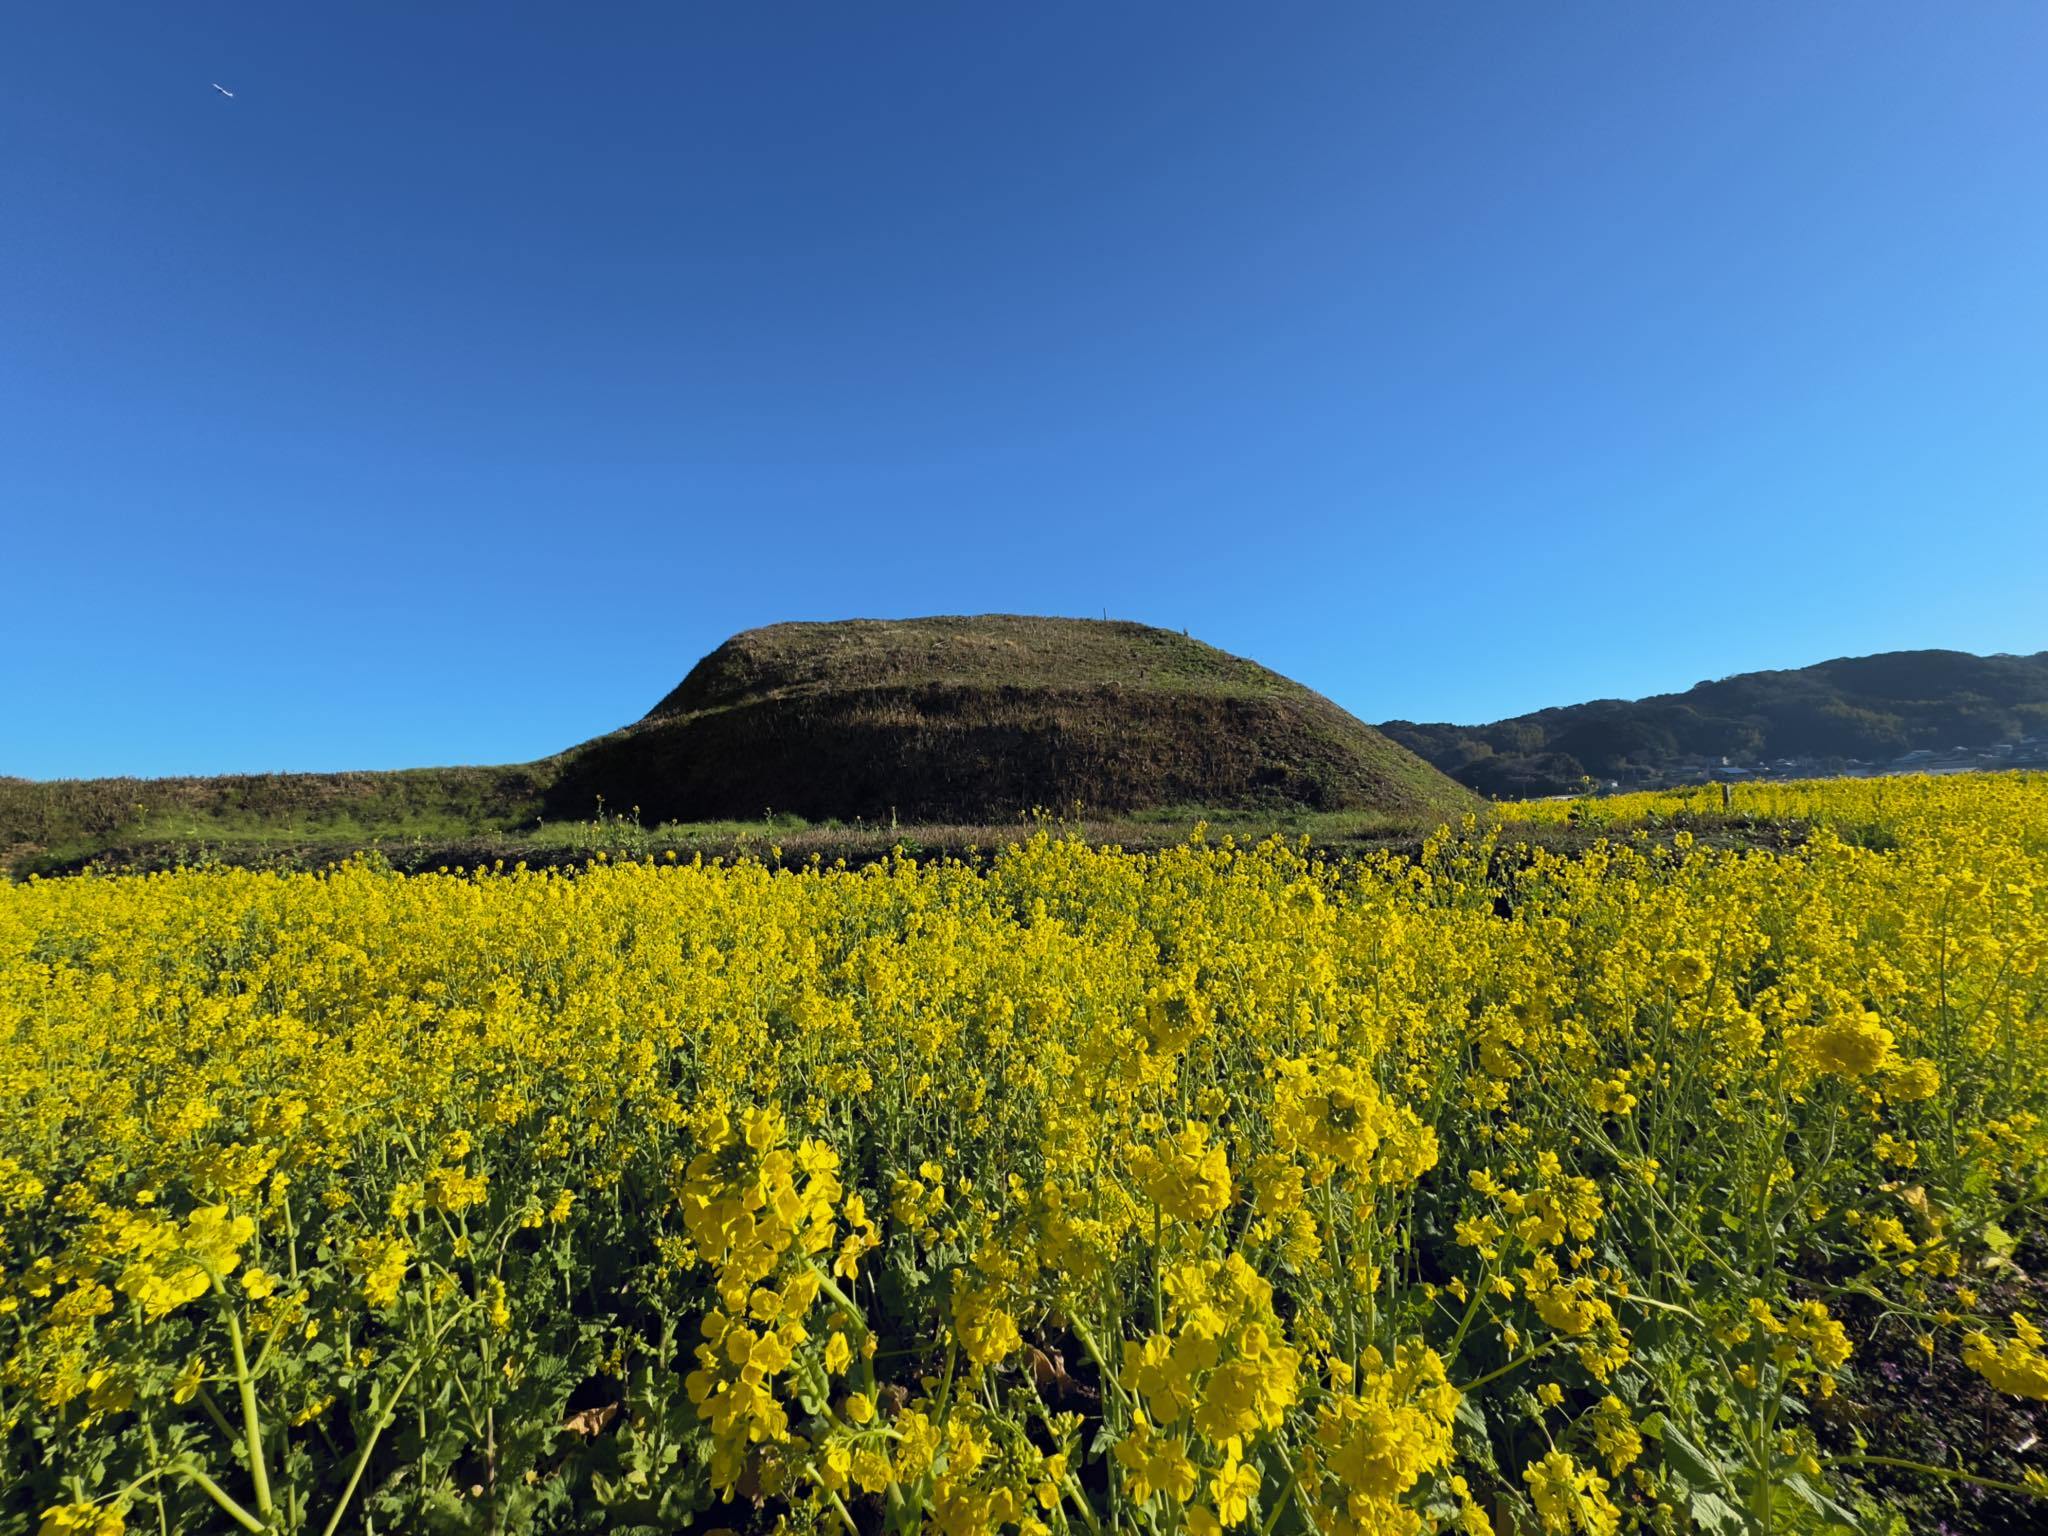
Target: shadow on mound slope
[{"x": 984, "y": 718}]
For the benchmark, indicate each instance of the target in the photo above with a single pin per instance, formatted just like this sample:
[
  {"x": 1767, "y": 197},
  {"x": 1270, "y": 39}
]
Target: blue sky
[{"x": 446, "y": 393}]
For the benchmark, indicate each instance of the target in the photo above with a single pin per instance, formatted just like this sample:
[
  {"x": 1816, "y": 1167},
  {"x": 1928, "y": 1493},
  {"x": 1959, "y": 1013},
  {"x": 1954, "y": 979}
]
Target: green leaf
[
  {"x": 1714, "y": 1514},
  {"x": 1471, "y": 1415},
  {"x": 1696, "y": 1466},
  {"x": 1798, "y": 1486}
]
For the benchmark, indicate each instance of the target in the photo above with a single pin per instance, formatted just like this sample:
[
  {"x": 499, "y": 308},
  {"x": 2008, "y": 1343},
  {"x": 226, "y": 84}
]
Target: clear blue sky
[{"x": 446, "y": 393}]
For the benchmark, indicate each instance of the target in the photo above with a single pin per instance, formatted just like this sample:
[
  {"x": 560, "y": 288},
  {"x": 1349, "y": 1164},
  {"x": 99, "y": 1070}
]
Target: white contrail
[{"x": 224, "y": 90}]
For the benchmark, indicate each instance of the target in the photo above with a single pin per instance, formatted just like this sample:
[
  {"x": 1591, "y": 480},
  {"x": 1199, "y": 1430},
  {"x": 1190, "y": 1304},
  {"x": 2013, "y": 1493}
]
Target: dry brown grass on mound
[{"x": 977, "y": 718}]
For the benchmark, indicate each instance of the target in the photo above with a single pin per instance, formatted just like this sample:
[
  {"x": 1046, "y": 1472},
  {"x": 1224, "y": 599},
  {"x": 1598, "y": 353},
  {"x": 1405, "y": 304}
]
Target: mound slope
[{"x": 948, "y": 719}]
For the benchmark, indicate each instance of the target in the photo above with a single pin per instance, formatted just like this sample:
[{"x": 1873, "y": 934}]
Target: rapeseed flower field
[{"x": 1221, "y": 1189}]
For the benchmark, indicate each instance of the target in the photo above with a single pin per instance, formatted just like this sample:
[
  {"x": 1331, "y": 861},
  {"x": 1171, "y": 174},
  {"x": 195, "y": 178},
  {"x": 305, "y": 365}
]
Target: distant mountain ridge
[{"x": 1854, "y": 714}]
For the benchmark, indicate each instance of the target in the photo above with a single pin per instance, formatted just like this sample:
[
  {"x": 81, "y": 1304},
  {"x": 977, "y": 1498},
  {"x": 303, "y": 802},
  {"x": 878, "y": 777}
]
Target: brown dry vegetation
[{"x": 976, "y": 719}]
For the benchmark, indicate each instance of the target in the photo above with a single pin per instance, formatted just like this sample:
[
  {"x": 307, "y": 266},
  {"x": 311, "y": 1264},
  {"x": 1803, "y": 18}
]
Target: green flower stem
[
  {"x": 263, "y": 1355},
  {"x": 1687, "y": 1313},
  {"x": 153, "y": 1475},
  {"x": 220, "y": 1496},
  {"x": 839, "y": 1504},
  {"x": 1471, "y": 1313},
  {"x": 384, "y": 1420},
  {"x": 946, "y": 1386},
  {"x": 1293, "y": 1488},
  {"x": 252, "y": 1421},
  {"x": 1950, "y": 1473},
  {"x": 840, "y": 1298},
  {"x": 1512, "y": 1365},
  {"x": 1280, "y": 1502},
  {"x": 1158, "y": 1298},
  {"x": 1074, "y": 1491},
  {"x": 205, "y": 1400}
]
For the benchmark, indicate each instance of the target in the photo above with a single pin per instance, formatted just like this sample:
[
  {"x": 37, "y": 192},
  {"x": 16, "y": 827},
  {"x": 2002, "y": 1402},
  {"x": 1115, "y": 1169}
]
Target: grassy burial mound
[
  {"x": 954, "y": 726},
  {"x": 961, "y": 719}
]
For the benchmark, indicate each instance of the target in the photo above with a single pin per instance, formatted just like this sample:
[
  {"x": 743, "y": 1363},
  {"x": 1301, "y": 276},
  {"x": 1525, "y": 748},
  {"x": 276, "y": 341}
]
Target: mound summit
[{"x": 971, "y": 719}]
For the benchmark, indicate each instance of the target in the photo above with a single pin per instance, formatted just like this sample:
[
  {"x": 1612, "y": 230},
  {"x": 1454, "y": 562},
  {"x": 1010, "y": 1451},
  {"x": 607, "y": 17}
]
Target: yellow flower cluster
[
  {"x": 1337, "y": 1120},
  {"x": 1379, "y": 1431},
  {"x": 1516, "y": 1179},
  {"x": 761, "y": 1215},
  {"x": 1856, "y": 1046},
  {"x": 1187, "y": 1175},
  {"x": 82, "y": 1520},
  {"x": 1220, "y": 1362},
  {"x": 1570, "y": 1497},
  {"x": 2017, "y": 1366}
]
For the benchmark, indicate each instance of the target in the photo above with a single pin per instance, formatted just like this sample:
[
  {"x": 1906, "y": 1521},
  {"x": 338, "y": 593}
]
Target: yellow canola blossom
[
  {"x": 2017, "y": 1366},
  {"x": 1501, "y": 1181},
  {"x": 1186, "y": 1174}
]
